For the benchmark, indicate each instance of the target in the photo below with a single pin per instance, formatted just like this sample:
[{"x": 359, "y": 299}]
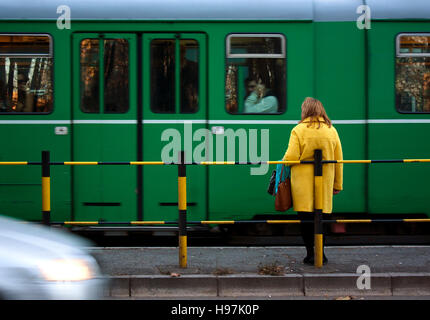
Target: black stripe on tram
[
  {"x": 102, "y": 204},
  {"x": 175, "y": 204}
]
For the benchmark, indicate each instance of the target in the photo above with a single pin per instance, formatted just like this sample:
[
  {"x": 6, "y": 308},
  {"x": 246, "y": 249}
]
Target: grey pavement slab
[
  {"x": 237, "y": 271},
  {"x": 237, "y": 260},
  {"x": 346, "y": 284}
]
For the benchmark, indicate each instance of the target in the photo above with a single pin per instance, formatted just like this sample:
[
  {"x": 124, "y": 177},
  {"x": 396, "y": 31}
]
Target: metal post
[
  {"x": 318, "y": 233},
  {"x": 182, "y": 206},
  {"x": 46, "y": 188}
]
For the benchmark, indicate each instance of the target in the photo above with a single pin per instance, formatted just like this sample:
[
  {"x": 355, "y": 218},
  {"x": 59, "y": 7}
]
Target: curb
[{"x": 336, "y": 284}]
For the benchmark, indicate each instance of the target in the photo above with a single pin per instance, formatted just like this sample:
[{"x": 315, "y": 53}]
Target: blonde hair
[{"x": 313, "y": 108}]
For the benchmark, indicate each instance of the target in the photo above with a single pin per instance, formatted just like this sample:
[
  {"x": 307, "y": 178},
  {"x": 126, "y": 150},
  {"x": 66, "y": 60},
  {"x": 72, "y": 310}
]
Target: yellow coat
[{"x": 303, "y": 141}]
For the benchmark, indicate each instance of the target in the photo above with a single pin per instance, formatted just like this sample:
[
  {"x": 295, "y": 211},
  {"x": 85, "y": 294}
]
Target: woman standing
[{"x": 314, "y": 131}]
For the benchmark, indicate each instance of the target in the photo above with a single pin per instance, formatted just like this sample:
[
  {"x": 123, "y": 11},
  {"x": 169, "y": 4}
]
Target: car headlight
[{"x": 66, "y": 270}]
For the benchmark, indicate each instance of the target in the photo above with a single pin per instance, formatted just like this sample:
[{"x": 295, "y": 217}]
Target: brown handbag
[{"x": 283, "y": 199}]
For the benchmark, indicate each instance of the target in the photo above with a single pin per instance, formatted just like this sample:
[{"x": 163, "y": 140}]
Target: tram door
[
  {"x": 104, "y": 126},
  {"x": 174, "y": 118}
]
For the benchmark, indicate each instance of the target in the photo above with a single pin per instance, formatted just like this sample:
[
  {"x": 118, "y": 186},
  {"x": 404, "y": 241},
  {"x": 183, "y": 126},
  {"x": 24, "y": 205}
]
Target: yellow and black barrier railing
[
  {"x": 141, "y": 163},
  {"x": 182, "y": 197},
  {"x": 206, "y": 222}
]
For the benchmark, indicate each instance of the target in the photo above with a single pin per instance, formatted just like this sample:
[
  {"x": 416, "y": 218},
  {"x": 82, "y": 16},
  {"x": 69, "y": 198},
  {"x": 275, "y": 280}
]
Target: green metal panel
[
  {"x": 160, "y": 183},
  {"x": 397, "y": 188},
  {"x": 340, "y": 86},
  {"x": 20, "y": 186},
  {"x": 106, "y": 137}
]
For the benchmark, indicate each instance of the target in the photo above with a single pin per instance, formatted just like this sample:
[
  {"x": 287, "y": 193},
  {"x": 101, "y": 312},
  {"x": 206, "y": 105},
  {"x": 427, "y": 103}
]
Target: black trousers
[{"x": 307, "y": 230}]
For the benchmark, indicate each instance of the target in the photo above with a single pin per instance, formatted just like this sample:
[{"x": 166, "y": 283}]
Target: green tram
[{"x": 121, "y": 81}]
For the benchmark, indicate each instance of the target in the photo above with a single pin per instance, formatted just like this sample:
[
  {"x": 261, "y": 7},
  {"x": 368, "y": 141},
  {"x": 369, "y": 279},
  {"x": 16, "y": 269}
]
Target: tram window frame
[
  {"x": 102, "y": 108},
  {"x": 399, "y": 54},
  {"x": 282, "y": 104},
  {"x": 175, "y": 109},
  {"x": 49, "y": 54}
]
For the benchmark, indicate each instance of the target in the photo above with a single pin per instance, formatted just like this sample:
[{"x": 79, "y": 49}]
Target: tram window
[
  {"x": 413, "y": 73},
  {"x": 25, "y": 45},
  {"x": 189, "y": 76},
  {"x": 163, "y": 68},
  {"x": 255, "y": 74},
  {"x": 25, "y": 74},
  {"x": 163, "y": 76},
  {"x": 115, "y": 75},
  {"x": 89, "y": 56}
]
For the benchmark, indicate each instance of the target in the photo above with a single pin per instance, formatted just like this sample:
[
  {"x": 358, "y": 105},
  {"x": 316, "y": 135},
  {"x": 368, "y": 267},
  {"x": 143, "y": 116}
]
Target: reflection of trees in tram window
[
  {"x": 89, "y": 61},
  {"x": 25, "y": 73},
  {"x": 231, "y": 89},
  {"x": 26, "y": 84},
  {"x": 413, "y": 74},
  {"x": 115, "y": 75},
  {"x": 413, "y": 84}
]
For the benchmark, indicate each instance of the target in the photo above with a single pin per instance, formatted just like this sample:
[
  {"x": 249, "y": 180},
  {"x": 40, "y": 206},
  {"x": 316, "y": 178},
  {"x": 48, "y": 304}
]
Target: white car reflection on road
[{"x": 38, "y": 262}]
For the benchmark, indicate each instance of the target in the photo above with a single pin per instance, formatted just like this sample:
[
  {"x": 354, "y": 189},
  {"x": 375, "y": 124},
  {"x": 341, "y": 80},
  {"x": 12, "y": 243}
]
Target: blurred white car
[{"x": 38, "y": 262}]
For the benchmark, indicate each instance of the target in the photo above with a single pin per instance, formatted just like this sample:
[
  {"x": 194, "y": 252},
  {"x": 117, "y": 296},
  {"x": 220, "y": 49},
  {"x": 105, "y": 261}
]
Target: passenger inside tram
[{"x": 260, "y": 98}]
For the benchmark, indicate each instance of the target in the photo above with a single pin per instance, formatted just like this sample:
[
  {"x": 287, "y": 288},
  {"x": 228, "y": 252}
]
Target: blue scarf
[{"x": 285, "y": 174}]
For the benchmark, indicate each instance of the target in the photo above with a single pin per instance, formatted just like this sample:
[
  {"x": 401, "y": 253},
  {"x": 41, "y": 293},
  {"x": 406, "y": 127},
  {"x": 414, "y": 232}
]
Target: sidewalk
[{"x": 263, "y": 271}]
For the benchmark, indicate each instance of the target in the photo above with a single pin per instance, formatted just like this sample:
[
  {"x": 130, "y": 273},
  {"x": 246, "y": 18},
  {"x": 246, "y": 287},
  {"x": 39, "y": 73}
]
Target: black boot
[
  {"x": 307, "y": 232},
  {"x": 310, "y": 253},
  {"x": 309, "y": 259}
]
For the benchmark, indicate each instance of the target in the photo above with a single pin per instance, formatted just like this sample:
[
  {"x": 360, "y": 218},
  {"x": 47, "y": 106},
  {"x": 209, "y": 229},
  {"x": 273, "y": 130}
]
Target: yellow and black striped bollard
[
  {"x": 318, "y": 205},
  {"x": 46, "y": 188},
  {"x": 182, "y": 206}
]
